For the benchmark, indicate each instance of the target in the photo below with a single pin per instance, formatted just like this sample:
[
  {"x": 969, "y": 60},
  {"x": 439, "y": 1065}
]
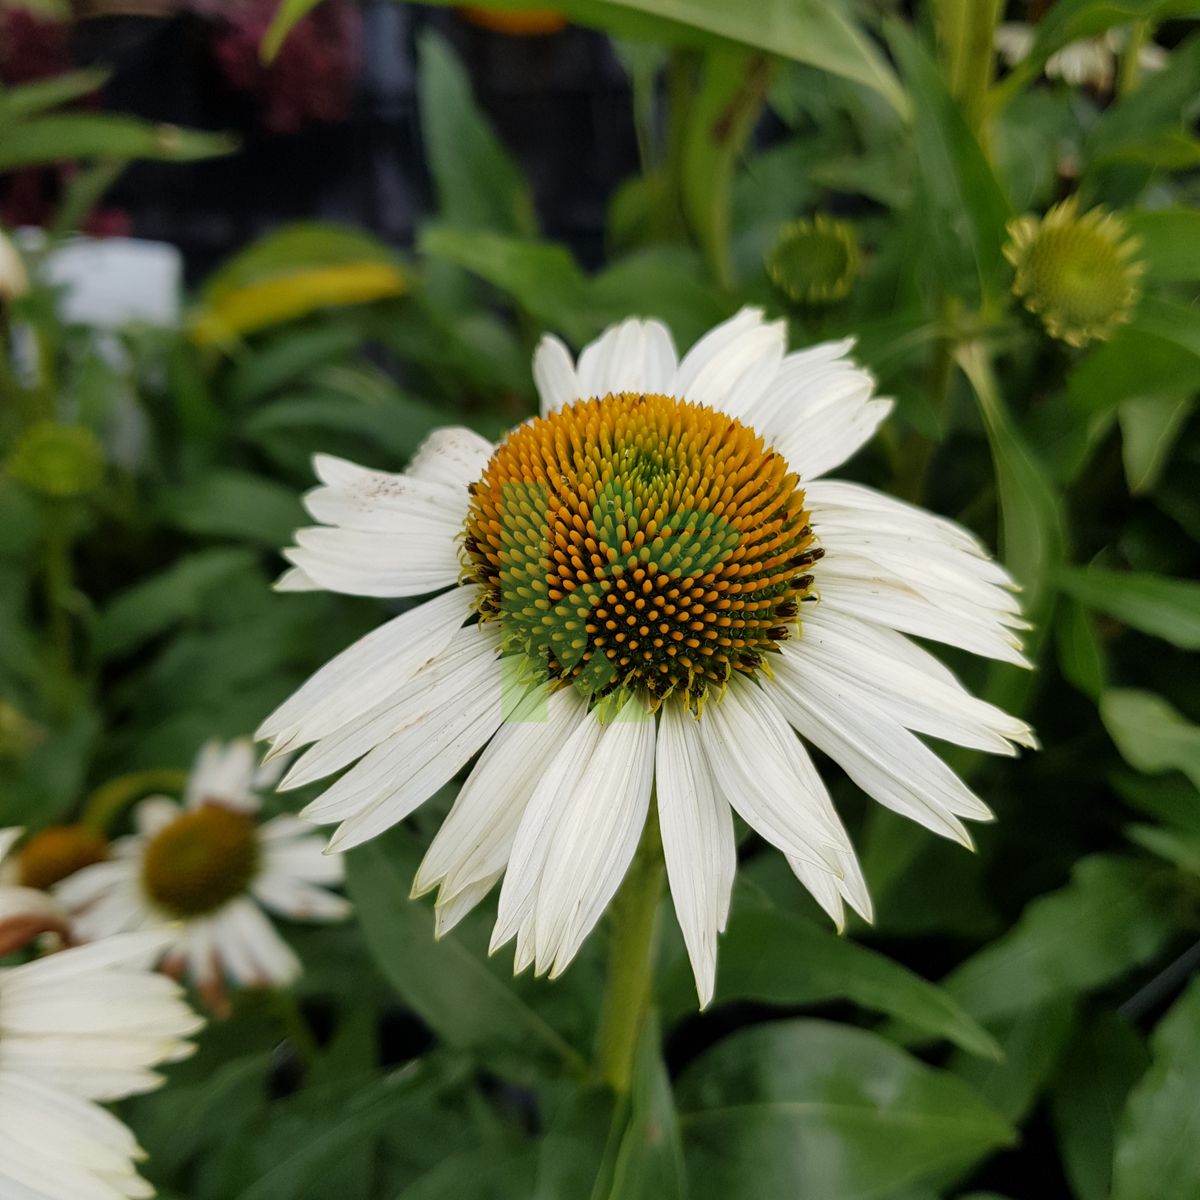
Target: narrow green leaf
[
  {"x": 1151, "y": 735},
  {"x": 1113, "y": 916},
  {"x": 56, "y": 137},
  {"x": 287, "y": 16},
  {"x": 1154, "y": 604},
  {"x": 236, "y": 505},
  {"x": 447, "y": 984},
  {"x": 478, "y": 185},
  {"x": 1080, "y": 655},
  {"x": 1156, "y": 1144},
  {"x": 808, "y": 1110},
  {"x": 30, "y": 99},
  {"x": 1180, "y": 849}
]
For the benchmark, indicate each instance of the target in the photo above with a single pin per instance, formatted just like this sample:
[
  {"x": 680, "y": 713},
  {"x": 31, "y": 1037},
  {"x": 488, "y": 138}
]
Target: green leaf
[
  {"x": 1136, "y": 362},
  {"x": 1156, "y": 1144},
  {"x": 444, "y": 982},
  {"x": 153, "y": 605},
  {"x": 1170, "y": 243},
  {"x": 1150, "y": 426},
  {"x": 1032, "y": 1043},
  {"x": 818, "y": 32},
  {"x": 56, "y": 137},
  {"x": 236, "y": 505},
  {"x": 287, "y": 16},
  {"x": 575, "y": 1155},
  {"x": 478, "y": 185},
  {"x": 1113, "y": 916},
  {"x": 1180, "y": 849},
  {"x": 1031, "y": 519},
  {"x": 808, "y": 1110},
  {"x": 1154, "y": 604},
  {"x": 1103, "y": 1061},
  {"x": 1170, "y": 799},
  {"x": 1150, "y": 734},
  {"x": 961, "y": 202},
  {"x": 30, "y": 99},
  {"x": 1080, "y": 655},
  {"x": 774, "y": 957}
]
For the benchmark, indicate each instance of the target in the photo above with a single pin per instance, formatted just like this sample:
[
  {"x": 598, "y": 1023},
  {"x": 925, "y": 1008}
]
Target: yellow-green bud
[
  {"x": 1077, "y": 273},
  {"x": 57, "y": 460},
  {"x": 815, "y": 261}
]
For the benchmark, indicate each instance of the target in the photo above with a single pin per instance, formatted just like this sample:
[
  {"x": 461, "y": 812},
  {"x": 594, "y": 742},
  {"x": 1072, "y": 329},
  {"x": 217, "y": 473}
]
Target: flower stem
[
  {"x": 630, "y": 984},
  {"x": 966, "y": 29}
]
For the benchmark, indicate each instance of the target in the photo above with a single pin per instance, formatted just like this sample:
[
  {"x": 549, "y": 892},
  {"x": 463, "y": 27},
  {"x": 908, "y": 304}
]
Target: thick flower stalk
[{"x": 647, "y": 590}]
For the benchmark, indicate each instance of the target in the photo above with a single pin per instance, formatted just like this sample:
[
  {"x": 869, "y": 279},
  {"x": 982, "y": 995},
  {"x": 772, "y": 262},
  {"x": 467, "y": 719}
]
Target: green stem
[
  {"x": 966, "y": 31},
  {"x": 57, "y": 577},
  {"x": 1131, "y": 68},
  {"x": 630, "y": 984}
]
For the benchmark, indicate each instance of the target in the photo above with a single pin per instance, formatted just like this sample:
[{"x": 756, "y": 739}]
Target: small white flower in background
[
  {"x": 83, "y": 1025},
  {"x": 14, "y": 279},
  {"x": 1091, "y": 61},
  {"x": 205, "y": 870},
  {"x": 646, "y": 591}
]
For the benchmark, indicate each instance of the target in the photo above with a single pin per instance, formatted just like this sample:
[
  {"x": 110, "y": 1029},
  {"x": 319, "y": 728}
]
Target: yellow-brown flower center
[
  {"x": 640, "y": 543},
  {"x": 55, "y": 853},
  {"x": 201, "y": 860}
]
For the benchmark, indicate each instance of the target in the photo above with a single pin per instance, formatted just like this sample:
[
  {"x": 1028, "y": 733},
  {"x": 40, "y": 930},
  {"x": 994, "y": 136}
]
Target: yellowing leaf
[{"x": 241, "y": 310}]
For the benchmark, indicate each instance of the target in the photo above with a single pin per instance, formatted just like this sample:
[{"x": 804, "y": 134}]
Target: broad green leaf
[
  {"x": 1032, "y": 1043},
  {"x": 153, "y": 605},
  {"x": 287, "y": 358},
  {"x": 808, "y": 1110},
  {"x": 1165, "y": 608},
  {"x": 575, "y": 1157},
  {"x": 482, "y": 1173},
  {"x": 1156, "y": 1155},
  {"x": 1150, "y": 426},
  {"x": 478, "y": 185},
  {"x": 1150, "y": 733},
  {"x": 1113, "y": 916},
  {"x": 769, "y": 956},
  {"x": 29, "y": 99},
  {"x": 963, "y": 206},
  {"x": 818, "y": 32},
  {"x": 56, "y": 137},
  {"x": 445, "y": 983},
  {"x": 1170, "y": 242},
  {"x": 1103, "y": 1061},
  {"x": 1031, "y": 520},
  {"x": 1080, "y": 654},
  {"x": 1136, "y": 362},
  {"x": 649, "y": 1161},
  {"x": 236, "y": 505},
  {"x": 1170, "y": 799}
]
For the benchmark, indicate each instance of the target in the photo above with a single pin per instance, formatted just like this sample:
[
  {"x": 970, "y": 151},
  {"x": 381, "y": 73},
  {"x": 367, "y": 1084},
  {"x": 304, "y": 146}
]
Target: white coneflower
[
  {"x": 646, "y": 592},
  {"x": 205, "y": 870},
  {"x": 84, "y": 1025}
]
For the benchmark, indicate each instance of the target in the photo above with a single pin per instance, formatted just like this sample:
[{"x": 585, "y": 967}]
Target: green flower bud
[
  {"x": 1077, "y": 273},
  {"x": 57, "y": 460},
  {"x": 815, "y": 262}
]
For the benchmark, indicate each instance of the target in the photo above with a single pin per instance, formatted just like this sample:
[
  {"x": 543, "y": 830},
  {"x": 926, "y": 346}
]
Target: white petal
[
  {"x": 454, "y": 457},
  {"x": 596, "y": 837},
  {"x": 762, "y": 771},
  {"x": 698, "y": 841},
  {"x": 882, "y": 757},
  {"x": 371, "y": 671},
  {"x": 714, "y": 367},
  {"x": 554, "y": 375},
  {"x": 295, "y": 580},
  {"x": 475, "y": 839},
  {"x": 449, "y": 912}
]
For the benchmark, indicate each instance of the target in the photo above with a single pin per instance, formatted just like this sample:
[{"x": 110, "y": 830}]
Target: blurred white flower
[
  {"x": 205, "y": 870},
  {"x": 83, "y": 1025},
  {"x": 651, "y": 589},
  {"x": 25, "y": 912},
  {"x": 1090, "y": 61}
]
